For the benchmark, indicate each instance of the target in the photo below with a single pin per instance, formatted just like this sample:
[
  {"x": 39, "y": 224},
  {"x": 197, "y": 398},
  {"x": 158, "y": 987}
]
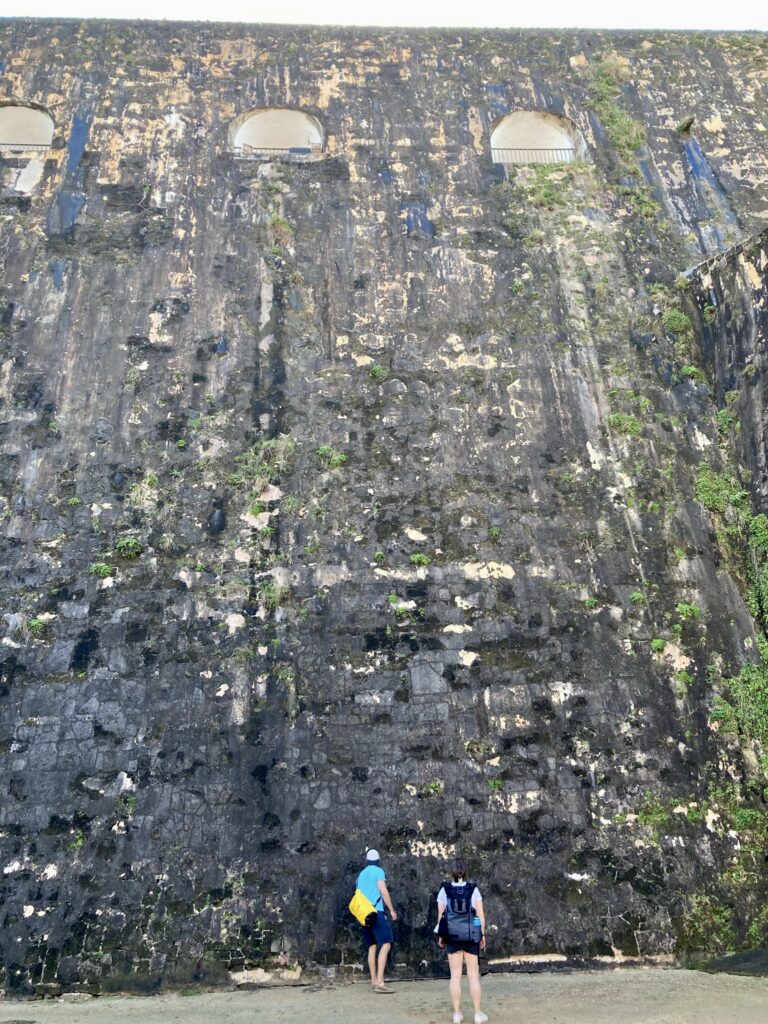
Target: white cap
[{"x": 372, "y": 855}]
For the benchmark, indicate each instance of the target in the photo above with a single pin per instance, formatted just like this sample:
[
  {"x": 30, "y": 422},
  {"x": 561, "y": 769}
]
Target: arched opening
[
  {"x": 278, "y": 131},
  {"x": 530, "y": 137},
  {"x": 25, "y": 129}
]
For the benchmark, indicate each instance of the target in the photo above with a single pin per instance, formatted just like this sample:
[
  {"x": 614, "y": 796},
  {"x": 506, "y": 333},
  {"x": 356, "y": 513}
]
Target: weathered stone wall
[
  {"x": 729, "y": 304},
  {"x": 283, "y": 381}
]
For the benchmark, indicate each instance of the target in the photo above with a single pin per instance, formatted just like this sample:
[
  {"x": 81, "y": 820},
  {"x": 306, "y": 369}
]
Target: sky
[{"x": 747, "y": 15}]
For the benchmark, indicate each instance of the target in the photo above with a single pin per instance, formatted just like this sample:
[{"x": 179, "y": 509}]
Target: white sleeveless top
[{"x": 442, "y": 898}]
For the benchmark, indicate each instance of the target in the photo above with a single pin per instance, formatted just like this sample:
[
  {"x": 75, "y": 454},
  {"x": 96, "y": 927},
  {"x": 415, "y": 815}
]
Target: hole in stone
[
  {"x": 276, "y": 131},
  {"x": 25, "y": 129},
  {"x": 531, "y": 137},
  {"x": 87, "y": 644}
]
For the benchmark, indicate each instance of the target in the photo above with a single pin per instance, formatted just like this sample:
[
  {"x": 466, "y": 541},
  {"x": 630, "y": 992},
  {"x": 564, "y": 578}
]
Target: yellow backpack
[{"x": 362, "y": 909}]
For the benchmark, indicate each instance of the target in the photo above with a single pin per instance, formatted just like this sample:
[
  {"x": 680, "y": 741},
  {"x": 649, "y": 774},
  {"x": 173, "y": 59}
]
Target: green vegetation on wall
[{"x": 744, "y": 535}]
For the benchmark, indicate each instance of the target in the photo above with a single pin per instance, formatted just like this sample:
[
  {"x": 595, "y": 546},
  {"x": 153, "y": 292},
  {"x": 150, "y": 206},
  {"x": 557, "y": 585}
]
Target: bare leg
[
  {"x": 456, "y": 964},
  {"x": 383, "y": 954},
  {"x": 473, "y": 974},
  {"x": 372, "y": 963}
]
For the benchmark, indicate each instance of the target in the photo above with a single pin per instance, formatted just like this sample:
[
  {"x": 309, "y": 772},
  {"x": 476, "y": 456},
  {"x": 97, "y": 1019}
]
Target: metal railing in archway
[
  {"x": 246, "y": 152},
  {"x": 24, "y": 147},
  {"x": 532, "y": 156}
]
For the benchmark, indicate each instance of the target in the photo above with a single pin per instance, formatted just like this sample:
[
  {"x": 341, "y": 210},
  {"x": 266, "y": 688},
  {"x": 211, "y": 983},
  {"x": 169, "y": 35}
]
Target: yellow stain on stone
[
  {"x": 439, "y": 140},
  {"x": 406, "y": 575},
  {"x": 235, "y": 621},
  {"x": 466, "y": 212},
  {"x": 488, "y": 571},
  {"x": 432, "y": 848},
  {"x": 475, "y": 123},
  {"x": 751, "y": 273},
  {"x": 479, "y": 361},
  {"x": 241, "y": 48},
  {"x": 178, "y": 93},
  {"x": 673, "y": 656},
  {"x": 455, "y": 266},
  {"x": 181, "y": 279},
  {"x": 714, "y": 124},
  {"x": 415, "y": 535},
  {"x": 514, "y": 802},
  {"x": 329, "y": 86}
]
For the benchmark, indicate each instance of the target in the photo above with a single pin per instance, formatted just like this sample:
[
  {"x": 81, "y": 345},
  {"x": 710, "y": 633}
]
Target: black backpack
[{"x": 459, "y": 917}]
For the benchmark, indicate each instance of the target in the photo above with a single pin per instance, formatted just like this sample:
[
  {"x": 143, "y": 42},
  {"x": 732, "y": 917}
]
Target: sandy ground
[{"x": 616, "y": 997}]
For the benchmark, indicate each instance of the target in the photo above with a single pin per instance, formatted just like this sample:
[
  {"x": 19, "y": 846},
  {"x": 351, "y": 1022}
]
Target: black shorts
[{"x": 464, "y": 947}]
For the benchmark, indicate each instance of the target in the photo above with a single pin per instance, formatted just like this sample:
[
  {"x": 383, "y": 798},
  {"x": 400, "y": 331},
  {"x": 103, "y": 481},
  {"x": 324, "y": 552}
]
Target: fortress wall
[{"x": 283, "y": 380}]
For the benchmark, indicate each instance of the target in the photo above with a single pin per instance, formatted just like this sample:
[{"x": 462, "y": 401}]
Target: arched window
[
  {"x": 530, "y": 137},
  {"x": 278, "y": 131},
  {"x": 25, "y": 129}
]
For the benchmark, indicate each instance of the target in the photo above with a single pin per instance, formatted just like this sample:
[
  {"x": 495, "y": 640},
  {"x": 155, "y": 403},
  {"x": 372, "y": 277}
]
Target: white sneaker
[
  {"x": 480, "y": 1017},
  {"x": 458, "y": 1017}
]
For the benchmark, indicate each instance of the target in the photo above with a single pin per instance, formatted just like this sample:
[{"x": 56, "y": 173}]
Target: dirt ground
[{"x": 615, "y": 997}]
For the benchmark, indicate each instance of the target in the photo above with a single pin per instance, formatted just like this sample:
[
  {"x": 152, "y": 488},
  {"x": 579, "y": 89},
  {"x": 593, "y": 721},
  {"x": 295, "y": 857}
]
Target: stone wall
[
  {"x": 352, "y": 502},
  {"x": 728, "y": 302}
]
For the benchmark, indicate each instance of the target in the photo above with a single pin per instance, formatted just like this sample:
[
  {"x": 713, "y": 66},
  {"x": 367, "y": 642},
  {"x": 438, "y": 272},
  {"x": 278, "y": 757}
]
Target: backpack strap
[{"x": 450, "y": 892}]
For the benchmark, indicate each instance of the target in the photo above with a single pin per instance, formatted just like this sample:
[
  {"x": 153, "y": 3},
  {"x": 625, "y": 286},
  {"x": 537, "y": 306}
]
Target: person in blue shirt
[{"x": 372, "y": 882}]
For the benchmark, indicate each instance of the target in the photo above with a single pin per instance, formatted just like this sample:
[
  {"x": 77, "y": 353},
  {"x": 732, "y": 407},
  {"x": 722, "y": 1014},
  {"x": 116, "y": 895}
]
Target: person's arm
[
  {"x": 481, "y": 914},
  {"x": 440, "y": 911},
  {"x": 385, "y": 896}
]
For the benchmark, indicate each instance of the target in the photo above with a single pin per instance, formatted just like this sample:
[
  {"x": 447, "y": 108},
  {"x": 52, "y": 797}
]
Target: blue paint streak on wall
[
  {"x": 593, "y": 216},
  {"x": 698, "y": 164},
  {"x": 557, "y": 105},
  {"x": 703, "y": 175},
  {"x": 645, "y": 168},
  {"x": 2, "y": 67},
  {"x": 416, "y": 219},
  {"x": 81, "y": 124},
  {"x": 387, "y": 177},
  {"x": 497, "y": 103},
  {"x": 598, "y": 131},
  {"x": 546, "y": 99},
  {"x": 498, "y": 173},
  {"x": 648, "y": 176},
  {"x": 57, "y": 268},
  {"x": 66, "y": 211}
]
